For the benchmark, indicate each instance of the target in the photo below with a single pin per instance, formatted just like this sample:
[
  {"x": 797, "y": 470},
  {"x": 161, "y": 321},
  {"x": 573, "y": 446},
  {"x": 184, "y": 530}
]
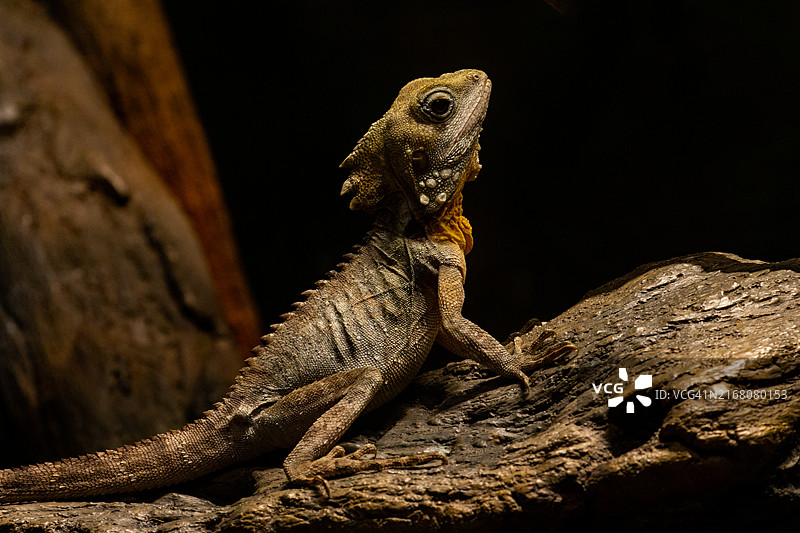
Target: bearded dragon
[{"x": 358, "y": 339}]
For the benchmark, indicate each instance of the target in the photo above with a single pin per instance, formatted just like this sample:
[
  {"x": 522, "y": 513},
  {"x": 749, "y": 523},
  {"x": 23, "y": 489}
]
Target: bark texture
[
  {"x": 716, "y": 446},
  {"x": 110, "y": 328}
]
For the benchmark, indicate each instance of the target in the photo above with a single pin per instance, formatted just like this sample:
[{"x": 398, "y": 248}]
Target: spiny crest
[
  {"x": 268, "y": 338},
  {"x": 216, "y": 407},
  {"x": 297, "y": 306}
]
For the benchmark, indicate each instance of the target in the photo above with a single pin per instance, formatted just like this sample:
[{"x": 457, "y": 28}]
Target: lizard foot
[
  {"x": 337, "y": 464},
  {"x": 543, "y": 351}
]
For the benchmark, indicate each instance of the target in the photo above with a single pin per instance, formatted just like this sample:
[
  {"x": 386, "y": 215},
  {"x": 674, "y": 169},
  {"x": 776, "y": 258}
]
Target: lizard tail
[{"x": 197, "y": 449}]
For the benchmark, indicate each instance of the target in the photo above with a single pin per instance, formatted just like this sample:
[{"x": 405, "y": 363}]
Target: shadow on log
[{"x": 712, "y": 441}]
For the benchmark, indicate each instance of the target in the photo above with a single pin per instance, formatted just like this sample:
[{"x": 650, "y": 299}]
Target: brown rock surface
[
  {"x": 109, "y": 324},
  {"x": 128, "y": 45}
]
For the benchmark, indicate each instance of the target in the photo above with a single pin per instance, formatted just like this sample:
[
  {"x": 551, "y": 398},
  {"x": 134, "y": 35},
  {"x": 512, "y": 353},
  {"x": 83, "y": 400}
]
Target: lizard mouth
[
  {"x": 468, "y": 133},
  {"x": 478, "y": 112}
]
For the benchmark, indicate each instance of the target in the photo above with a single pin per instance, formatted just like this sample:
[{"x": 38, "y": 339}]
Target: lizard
[{"x": 357, "y": 339}]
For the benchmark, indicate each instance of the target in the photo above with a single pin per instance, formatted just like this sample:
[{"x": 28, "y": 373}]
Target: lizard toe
[{"x": 333, "y": 464}]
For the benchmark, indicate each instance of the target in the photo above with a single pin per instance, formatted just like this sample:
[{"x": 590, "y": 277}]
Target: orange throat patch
[{"x": 452, "y": 225}]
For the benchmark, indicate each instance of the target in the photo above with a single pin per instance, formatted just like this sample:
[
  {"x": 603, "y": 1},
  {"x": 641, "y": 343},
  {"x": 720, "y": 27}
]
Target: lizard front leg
[
  {"x": 466, "y": 339},
  {"x": 322, "y": 411}
]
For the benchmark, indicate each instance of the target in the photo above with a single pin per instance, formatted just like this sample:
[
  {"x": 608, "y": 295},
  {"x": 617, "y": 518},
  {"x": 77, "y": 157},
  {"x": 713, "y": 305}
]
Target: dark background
[{"x": 633, "y": 132}]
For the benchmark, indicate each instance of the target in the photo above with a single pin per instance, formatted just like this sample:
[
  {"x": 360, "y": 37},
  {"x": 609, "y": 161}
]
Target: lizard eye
[{"x": 438, "y": 105}]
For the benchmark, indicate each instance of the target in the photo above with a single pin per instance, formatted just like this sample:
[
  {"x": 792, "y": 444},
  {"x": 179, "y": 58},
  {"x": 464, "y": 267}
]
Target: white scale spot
[
  {"x": 431, "y": 183},
  {"x": 424, "y": 200},
  {"x": 441, "y": 197},
  {"x": 436, "y": 173},
  {"x": 446, "y": 173},
  {"x": 421, "y": 184}
]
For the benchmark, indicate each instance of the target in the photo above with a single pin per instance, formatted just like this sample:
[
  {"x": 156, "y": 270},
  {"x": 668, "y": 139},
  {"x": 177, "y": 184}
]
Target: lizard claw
[
  {"x": 367, "y": 449},
  {"x": 338, "y": 463},
  {"x": 525, "y": 382},
  {"x": 517, "y": 346},
  {"x": 548, "y": 355},
  {"x": 319, "y": 481},
  {"x": 543, "y": 350},
  {"x": 313, "y": 481}
]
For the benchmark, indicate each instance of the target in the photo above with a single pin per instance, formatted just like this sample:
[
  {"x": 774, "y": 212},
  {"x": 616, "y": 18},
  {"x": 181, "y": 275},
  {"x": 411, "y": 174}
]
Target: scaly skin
[{"x": 357, "y": 340}]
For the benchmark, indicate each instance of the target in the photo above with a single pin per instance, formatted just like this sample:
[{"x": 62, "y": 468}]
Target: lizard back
[{"x": 380, "y": 310}]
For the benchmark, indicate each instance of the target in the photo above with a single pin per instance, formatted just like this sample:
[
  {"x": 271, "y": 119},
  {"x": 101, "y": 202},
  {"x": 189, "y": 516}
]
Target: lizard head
[{"x": 425, "y": 146}]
